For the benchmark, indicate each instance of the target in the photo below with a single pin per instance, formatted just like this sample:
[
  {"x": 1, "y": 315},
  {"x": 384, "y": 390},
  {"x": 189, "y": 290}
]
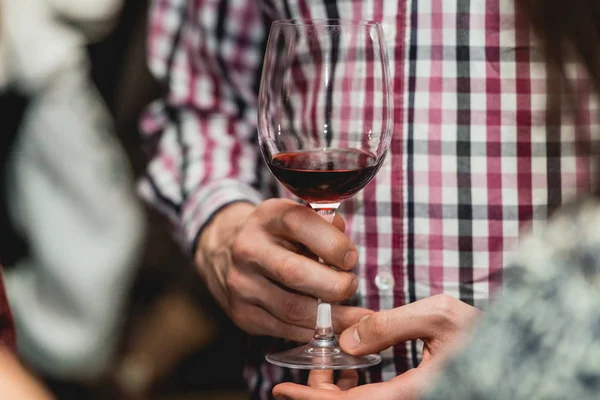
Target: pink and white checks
[{"x": 475, "y": 157}]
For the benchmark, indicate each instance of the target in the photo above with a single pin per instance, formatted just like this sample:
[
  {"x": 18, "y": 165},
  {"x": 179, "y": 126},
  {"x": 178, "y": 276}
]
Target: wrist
[{"x": 220, "y": 232}]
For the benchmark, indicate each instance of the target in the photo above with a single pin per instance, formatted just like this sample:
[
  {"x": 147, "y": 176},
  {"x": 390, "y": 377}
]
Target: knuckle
[
  {"x": 341, "y": 289},
  {"x": 289, "y": 332},
  {"x": 340, "y": 241},
  {"x": 378, "y": 324},
  {"x": 336, "y": 290},
  {"x": 238, "y": 314},
  {"x": 339, "y": 222},
  {"x": 253, "y": 330},
  {"x": 445, "y": 309},
  {"x": 233, "y": 282},
  {"x": 269, "y": 204},
  {"x": 289, "y": 270},
  {"x": 282, "y": 330},
  {"x": 240, "y": 287},
  {"x": 295, "y": 310},
  {"x": 445, "y": 303},
  {"x": 293, "y": 217},
  {"x": 242, "y": 248},
  {"x": 338, "y": 244}
]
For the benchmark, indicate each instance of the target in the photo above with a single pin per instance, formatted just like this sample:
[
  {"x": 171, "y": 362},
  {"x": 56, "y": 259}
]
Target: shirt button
[{"x": 384, "y": 281}]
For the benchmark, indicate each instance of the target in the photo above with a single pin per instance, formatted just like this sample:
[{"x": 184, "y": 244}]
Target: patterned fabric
[
  {"x": 7, "y": 330},
  {"x": 541, "y": 340},
  {"x": 475, "y": 158}
]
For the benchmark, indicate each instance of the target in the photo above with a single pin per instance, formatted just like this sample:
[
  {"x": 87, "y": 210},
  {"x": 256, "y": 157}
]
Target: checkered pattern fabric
[{"x": 484, "y": 143}]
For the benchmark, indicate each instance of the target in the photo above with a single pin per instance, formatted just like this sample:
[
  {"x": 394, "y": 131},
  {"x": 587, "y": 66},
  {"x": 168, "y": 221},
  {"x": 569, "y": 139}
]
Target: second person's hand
[{"x": 442, "y": 322}]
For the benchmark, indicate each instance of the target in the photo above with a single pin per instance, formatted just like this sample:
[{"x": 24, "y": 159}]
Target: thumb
[{"x": 423, "y": 319}]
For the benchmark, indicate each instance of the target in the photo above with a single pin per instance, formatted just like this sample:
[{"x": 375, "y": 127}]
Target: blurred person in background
[
  {"x": 479, "y": 153},
  {"x": 541, "y": 339},
  {"x": 15, "y": 382},
  {"x": 68, "y": 190}
]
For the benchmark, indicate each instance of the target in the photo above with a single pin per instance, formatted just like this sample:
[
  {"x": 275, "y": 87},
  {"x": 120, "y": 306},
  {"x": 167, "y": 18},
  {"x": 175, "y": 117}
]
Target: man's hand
[
  {"x": 260, "y": 263},
  {"x": 441, "y": 322}
]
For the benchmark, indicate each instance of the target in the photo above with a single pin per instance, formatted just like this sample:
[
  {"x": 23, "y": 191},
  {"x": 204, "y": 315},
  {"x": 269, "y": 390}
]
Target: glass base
[{"x": 310, "y": 356}]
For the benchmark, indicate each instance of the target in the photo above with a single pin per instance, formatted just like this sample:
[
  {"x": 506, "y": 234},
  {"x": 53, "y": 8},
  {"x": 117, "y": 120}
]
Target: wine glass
[{"x": 324, "y": 123}]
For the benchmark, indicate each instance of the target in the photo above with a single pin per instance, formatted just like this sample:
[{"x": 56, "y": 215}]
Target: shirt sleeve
[
  {"x": 201, "y": 138},
  {"x": 542, "y": 338}
]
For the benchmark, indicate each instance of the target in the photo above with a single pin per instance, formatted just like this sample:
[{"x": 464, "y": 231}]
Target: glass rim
[{"x": 326, "y": 22}]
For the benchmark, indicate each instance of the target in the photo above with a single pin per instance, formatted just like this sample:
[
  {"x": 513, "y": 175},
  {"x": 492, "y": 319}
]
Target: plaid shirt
[
  {"x": 7, "y": 330},
  {"x": 475, "y": 157}
]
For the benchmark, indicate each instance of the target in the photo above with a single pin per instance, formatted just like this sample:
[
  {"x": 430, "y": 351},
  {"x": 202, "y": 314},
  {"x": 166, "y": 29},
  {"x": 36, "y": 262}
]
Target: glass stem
[{"x": 324, "y": 334}]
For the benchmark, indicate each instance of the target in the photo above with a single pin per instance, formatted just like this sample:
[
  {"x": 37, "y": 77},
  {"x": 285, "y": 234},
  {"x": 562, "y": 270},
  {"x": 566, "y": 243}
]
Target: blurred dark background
[
  {"x": 175, "y": 343},
  {"x": 172, "y": 323}
]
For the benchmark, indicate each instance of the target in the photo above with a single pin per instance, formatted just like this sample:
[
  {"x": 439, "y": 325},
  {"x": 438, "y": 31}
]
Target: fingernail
[
  {"x": 354, "y": 340},
  {"x": 350, "y": 259},
  {"x": 364, "y": 317}
]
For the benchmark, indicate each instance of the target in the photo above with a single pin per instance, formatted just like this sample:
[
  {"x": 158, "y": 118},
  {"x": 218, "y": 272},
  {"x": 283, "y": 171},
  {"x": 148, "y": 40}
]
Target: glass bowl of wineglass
[{"x": 324, "y": 126}]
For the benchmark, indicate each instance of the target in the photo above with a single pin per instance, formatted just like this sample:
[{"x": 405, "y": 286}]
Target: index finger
[
  {"x": 304, "y": 275},
  {"x": 339, "y": 222},
  {"x": 303, "y": 225}
]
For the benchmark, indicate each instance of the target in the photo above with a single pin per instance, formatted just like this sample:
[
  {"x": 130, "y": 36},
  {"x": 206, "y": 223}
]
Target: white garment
[
  {"x": 45, "y": 37},
  {"x": 71, "y": 194}
]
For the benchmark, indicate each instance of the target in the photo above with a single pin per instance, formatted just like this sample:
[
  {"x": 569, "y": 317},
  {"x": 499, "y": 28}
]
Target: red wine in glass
[{"x": 324, "y": 175}]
